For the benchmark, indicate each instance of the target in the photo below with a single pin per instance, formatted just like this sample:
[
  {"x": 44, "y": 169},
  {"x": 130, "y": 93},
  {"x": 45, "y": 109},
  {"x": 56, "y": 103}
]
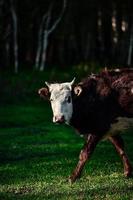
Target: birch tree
[
  {"x": 7, "y": 44},
  {"x": 15, "y": 35},
  {"x": 44, "y": 33},
  {"x": 39, "y": 48},
  {"x": 129, "y": 60}
]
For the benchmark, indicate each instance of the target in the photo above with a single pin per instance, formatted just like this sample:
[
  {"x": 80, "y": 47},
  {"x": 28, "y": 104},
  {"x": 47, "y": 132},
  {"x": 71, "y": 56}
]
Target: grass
[{"x": 36, "y": 156}]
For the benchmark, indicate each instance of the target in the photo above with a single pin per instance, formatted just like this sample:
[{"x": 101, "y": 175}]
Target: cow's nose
[{"x": 60, "y": 119}]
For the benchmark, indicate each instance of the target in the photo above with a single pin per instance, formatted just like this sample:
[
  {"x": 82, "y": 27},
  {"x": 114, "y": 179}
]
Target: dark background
[{"x": 90, "y": 31}]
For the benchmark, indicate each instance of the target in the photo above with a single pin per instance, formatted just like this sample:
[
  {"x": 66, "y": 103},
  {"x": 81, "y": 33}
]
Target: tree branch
[
  {"x": 58, "y": 19},
  {"x": 38, "y": 54},
  {"x": 49, "y": 16}
]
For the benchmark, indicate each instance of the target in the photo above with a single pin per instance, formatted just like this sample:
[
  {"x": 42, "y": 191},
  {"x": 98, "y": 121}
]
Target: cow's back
[{"x": 122, "y": 84}]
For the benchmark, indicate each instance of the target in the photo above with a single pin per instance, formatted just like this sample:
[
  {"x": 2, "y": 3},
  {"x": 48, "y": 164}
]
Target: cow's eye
[
  {"x": 51, "y": 99},
  {"x": 69, "y": 99}
]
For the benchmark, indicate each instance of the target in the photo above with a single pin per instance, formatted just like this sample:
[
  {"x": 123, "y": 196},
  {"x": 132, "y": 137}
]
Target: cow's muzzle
[{"x": 59, "y": 119}]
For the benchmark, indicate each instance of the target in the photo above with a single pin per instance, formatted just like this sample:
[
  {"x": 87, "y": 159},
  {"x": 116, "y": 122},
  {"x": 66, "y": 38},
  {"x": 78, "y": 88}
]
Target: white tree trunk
[
  {"x": 7, "y": 53},
  {"x": 130, "y": 47},
  {"x": 47, "y": 32},
  {"x": 44, "y": 51},
  {"x": 45, "y": 39},
  {"x": 7, "y": 44},
  {"x": 15, "y": 32},
  {"x": 39, "y": 48},
  {"x": 38, "y": 54}
]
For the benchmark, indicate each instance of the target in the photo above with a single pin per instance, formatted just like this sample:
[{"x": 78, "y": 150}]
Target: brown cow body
[
  {"x": 105, "y": 99},
  {"x": 102, "y": 107}
]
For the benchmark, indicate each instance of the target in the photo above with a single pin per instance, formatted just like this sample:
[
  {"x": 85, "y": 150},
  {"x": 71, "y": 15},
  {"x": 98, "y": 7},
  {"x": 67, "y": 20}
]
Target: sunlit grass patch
[{"x": 37, "y": 157}]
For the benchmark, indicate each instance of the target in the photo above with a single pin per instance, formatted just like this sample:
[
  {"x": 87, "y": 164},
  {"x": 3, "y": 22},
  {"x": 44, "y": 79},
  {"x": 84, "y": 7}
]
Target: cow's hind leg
[
  {"x": 85, "y": 154},
  {"x": 117, "y": 141}
]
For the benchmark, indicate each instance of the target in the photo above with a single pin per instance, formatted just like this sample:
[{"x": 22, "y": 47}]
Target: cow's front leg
[{"x": 85, "y": 154}]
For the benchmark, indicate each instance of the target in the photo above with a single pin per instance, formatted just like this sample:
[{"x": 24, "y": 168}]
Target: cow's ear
[
  {"x": 78, "y": 90},
  {"x": 44, "y": 93}
]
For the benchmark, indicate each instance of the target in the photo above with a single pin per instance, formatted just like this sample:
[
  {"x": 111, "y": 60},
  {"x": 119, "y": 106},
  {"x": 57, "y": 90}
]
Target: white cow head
[{"x": 61, "y": 100}]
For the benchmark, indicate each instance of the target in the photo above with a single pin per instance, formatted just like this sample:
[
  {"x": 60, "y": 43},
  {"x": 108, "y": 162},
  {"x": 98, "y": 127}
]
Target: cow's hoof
[
  {"x": 128, "y": 174},
  {"x": 71, "y": 179}
]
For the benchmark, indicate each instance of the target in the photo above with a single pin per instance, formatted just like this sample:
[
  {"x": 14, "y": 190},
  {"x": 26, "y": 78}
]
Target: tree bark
[
  {"x": 39, "y": 48},
  {"x": 15, "y": 34},
  {"x": 46, "y": 33},
  {"x": 129, "y": 60},
  {"x": 44, "y": 52}
]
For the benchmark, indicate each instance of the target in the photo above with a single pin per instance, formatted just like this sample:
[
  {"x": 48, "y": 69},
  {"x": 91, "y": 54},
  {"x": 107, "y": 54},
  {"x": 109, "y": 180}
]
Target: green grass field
[{"x": 36, "y": 156}]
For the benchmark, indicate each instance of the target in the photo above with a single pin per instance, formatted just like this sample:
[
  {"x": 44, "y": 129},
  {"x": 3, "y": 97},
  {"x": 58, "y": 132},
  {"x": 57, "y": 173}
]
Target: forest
[
  {"x": 41, "y": 34},
  {"x": 54, "y": 41}
]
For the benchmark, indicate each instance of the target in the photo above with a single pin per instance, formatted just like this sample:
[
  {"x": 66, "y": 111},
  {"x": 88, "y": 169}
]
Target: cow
[{"x": 98, "y": 107}]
